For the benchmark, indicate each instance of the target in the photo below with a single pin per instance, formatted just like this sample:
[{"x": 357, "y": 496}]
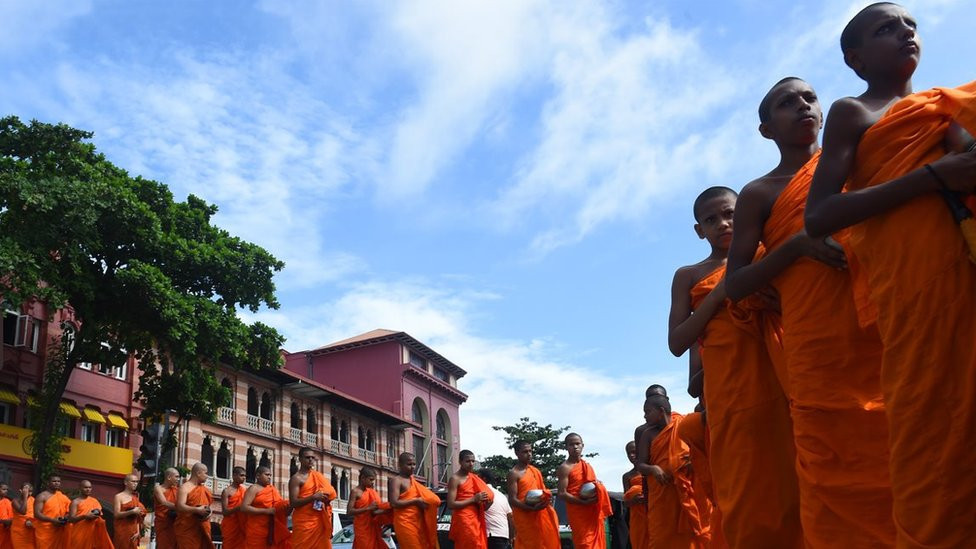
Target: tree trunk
[{"x": 51, "y": 409}]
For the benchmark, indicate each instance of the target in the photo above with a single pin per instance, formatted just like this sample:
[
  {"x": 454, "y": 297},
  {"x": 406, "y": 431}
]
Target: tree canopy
[{"x": 143, "y": 273}]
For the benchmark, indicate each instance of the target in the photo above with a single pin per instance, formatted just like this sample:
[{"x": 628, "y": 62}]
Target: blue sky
[{"x": 509, "y": 182}]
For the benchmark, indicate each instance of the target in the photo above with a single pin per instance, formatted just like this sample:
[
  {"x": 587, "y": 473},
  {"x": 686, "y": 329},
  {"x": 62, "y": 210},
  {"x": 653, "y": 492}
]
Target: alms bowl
[
  {"x": 587, "y": 490},
  {"x": 533, "y": 496}
]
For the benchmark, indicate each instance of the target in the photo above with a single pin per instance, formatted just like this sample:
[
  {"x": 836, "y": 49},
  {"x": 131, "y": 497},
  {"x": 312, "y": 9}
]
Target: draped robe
[
  {"x": 89, "y": 534},
  {"x": 416, "y": 528},
  {"x": 469, "y": 530},
  {"x": 127, "y": 530},
  {"x": 193, "y": 531},
  {"x": 312, "y": 529}
]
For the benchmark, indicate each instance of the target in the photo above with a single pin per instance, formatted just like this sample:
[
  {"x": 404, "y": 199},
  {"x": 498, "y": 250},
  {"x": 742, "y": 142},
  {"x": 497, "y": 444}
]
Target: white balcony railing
[
  {"x": 225, "y": 415},
  {"x": 312, "y": 440},
  {"x": 260, "y": 424},
  {"x": 340, "y": 448},
  {"x": 367, "y": 455},
  {"x": 220, "y": 484},
  {"x": 390, "y": 462},
  {"x": 295, "y": 435},
  {"x": 339, "y": 504}
]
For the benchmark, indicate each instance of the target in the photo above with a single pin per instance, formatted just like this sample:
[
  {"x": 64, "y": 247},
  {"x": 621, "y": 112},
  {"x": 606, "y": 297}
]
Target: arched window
[
  {"x": 418, "y": 413},
  {"x": 207, "y": 453},
  {"x": 266, "y": 405},
  {"x": 310, "y": 426},
  {"x": 334, "y": 478},
  {"x": 344, "y": 431},
  {"x": 293, "y": 468},
  {"x": 296, "y": 416},
  {"x": 251, "y": 465},
  {"x": 362, "y": 437},
  {"x": 265, "y": 459},
  {"x": 443, "y": 425},
  {"x": 253, "y": 405},
  {"x": 226, "y": 384},
  {"x": 344, "y": 485},
  {"x": 370, "y": 443},
  {"x": 334, "y": 431},
  {"x": 223, "y": 460}
]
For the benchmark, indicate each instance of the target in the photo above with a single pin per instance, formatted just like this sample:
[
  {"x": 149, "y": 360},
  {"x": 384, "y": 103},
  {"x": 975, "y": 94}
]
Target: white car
[{"x": 343, "y": 538}]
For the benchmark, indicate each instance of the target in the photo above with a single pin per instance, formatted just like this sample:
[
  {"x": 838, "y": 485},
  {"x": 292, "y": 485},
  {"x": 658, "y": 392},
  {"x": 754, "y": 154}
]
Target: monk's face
[
  {"x": 407, "y": 465},
  {"x": 574, "y": 447},
  {"x": 263, "y": 478},
  {"x": 3, "y": 490},
  {"x": 308, "y": 460},
  {"x": 889, "y": 44},
  {"x": 653, "y": 415},
  {"x": 27, "y": 489},
  {"x": 172, "y": 478},
  {"x": 632, "y": 452},
  {"x": 86, "y": 488},
  {"x": 200, "y": 473},
  {"x": 239, "y": 477},
  {"x": 467, "y": 463},
  {"x": 795, "y": 116},
  {"x": 368, "y": 481},
  {"x": 131, "y": 483},
  {"x": 54, "y": 484},
  {"x": 715, "y": 220},
  {"x": 524, "y": 454}
]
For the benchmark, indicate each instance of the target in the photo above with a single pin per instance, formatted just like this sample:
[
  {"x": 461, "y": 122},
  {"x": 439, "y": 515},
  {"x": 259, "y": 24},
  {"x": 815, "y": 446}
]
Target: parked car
[{"x": 344, "y": 538}]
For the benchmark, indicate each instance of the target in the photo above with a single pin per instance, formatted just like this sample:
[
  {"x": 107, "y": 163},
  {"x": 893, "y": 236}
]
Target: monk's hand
[
  {"x": 320, "y": 496},
  {"x": 480, "y": 496},
  {"x": 660, "y": 475},
  {"x": 769, "y": 298},
  {"x": 957, "y": 171},
  {"x": 421, "y": 503},
  {"x": 825, "y": 250}
]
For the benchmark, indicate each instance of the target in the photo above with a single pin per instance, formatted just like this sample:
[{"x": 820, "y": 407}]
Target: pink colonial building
[{"x": 394, "y": 372}]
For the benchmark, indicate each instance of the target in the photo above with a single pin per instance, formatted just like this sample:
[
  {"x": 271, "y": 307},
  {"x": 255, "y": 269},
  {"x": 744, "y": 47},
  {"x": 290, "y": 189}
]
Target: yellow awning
[
  {"x": 69, "y": 409},
  {"x": 9, "y": 397},
  {"x": 32, "y": 401},
  {"x": 117, "y": 421},
  {"x": 93, "y": 415}
]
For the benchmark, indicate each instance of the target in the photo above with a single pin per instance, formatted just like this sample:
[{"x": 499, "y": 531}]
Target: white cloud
[{"x": 25, "y": 24}]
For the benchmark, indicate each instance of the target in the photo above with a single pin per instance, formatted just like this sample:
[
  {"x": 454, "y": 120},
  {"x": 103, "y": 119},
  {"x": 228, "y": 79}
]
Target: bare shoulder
[
  {"x": 851, "y": 115},
  {"x": 564, "y": 468}
]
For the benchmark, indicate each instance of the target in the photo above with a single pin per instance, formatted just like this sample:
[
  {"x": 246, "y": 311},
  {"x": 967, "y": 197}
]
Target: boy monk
[
  {"x": 834, "y": 365},
  {"x": 192, "y": 525},
  {"x": 468, "y": 497},
  {"x": 916, "y": 279},
  {"x": 673, "y": 518},
  {"x": 635, "y": 501},
  {"x": 22, "y": 527},
  {"x": 266, "y": 523},
  {"x": 586, "y": 512},
  {"x": 751, "y": 453},
  {"x": 6, "y": 517},
  {"x": 536, "y": 523},
  {"x": 127, "y": 513},
  {"x": 165, "y": 511},
  {"x": 231, "y": 500},
  {"x": 693, "y": 432},
  {"x": 367, "y": 510},
  {"x": 51, "y": 516},
  {"x": 88, "y": 529},
  {"x": 311, "y": 495},
  {"x": 414, "y": 507}
]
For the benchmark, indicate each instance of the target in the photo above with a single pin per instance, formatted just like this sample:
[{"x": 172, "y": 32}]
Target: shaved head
[
  {"x": 198, "y": 467},
  {"x": 404, "y": 457},
  {"x": 765, "y": 113},
  {"x": 708, "y": 194},
  {"x": 850, "y": 37}
]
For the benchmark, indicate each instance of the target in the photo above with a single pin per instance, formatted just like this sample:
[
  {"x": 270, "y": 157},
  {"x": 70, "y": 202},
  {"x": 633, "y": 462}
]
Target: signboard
[{"x": 75, "y": 453}]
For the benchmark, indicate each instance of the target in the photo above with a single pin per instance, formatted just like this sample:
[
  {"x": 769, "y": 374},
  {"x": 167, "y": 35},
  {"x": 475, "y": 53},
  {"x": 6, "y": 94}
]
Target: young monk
[
  {"x": 193, "y": 500},
  {"x": 367, "y": 510},
  {"x": 692, "y": 431},
  {"x": 22, "y": 526},
  {"x": 586, "y": 512},
  {"x": 311, "y": 496},
  {"x": 673, "y": 518},
  {"x": 6, "y": 517},
  {"x": 468, "y": 497},
  {"x": 266, "y": 524},
  {"x": 51, "y": 516},
  {"x": 834, "y": 364},
  {"x": 635, "y": 501},
  {"x": 750, "y": 452},
  {"x": 231, "y": 500},
  {"x": 165, "y": 497},
  {"x": 88, "y": 530},
  {"x": 536, "y": 523},
  {"x": 887, "y": 146},
  {"x": 128, "y": 513},
  {"x": 414, "y": 507}
]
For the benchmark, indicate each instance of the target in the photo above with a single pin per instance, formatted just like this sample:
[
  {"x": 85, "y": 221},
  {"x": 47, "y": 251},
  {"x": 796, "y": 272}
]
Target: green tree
[
  {"x": 144, "y": 275},
  {"x": 547, "y": 449}
]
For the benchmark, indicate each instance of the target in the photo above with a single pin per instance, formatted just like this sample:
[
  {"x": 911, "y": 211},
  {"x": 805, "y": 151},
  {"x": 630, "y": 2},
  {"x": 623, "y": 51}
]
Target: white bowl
[
  {"x": 533, "y": 496},
  {"x": 587, "y": 490}
]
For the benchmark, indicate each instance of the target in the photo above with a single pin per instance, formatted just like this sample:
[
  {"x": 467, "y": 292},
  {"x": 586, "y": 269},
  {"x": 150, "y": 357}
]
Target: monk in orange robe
[
  {"x": 165, "y": 511},
  {"x": 536, "y": 523},
  {"x": 6, "y": 517},
  {"x": 311, "y": 496},
  {"x": 467, "y": 498},
  {"x": 694, "y": 433},
  {"x": 913, "y": 275},
  {"x": 232, "y": 526},
  {"x": 22, "y": 527},
  {"x": 51, "y": 516},
  {"x": 193, "y": 500},
  {"x": 414, "y": 508},
  {"x": 635, "y": 501},
  {"x": 87, "y": 530},
  {"x": 834, "y": 365},
  {"x": 751, "y": 451},
  {"x": 128, "y": 514},
  {"x": 368, "y": 513},
  {"x": 587, "y": 512},
  {"x": 266, "y": 514}
]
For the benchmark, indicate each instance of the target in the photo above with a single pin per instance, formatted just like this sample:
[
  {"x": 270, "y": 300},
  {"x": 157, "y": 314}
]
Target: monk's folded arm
[{"x": 685, "y": 325}]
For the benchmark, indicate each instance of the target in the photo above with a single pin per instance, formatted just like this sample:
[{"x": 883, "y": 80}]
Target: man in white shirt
[{"x": 501, "y": 528}]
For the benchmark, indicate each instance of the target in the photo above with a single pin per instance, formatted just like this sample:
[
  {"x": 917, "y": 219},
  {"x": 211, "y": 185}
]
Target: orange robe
[
  {"x": 126, "y": 535},
  {"x": 263, "y": 531},
  {"x": 637, "y": 524},
  {"x": 673, "y": 519},
  {"x": 535, "y": 529},
  {"x": 6, "y": 513},
  {"x": 312, "y": 529},
  {"x": 751, "y": 452},
  {"x": 834, "y": 366},
  {"x": 193, "y": 531},
  {"x": 918, "y": 278},
  {"x": 587, "y": 521},
  {"x": 468, "y": 527},
  {"x": 416, "y": 528},
  {"x": 694, "y": 433},
  {"x": 22, "y": 536},
  {"x": 367, "y": 526},
  {"x": 89, "y": 534},
  {"x": 49, "y": 535},
  {"x": 232, "y": 527},
  {"x": 165, "y": 535}
]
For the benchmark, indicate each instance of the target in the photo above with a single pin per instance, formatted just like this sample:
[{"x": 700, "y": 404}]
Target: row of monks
[{"x": 831, "y": 332}]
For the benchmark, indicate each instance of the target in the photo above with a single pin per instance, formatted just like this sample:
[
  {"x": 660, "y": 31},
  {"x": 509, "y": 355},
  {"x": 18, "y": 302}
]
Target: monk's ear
[
  {"x": 765, "y": 131},
  {"x": 853, "y": 60},
  {"x": 699, "y": 232}
]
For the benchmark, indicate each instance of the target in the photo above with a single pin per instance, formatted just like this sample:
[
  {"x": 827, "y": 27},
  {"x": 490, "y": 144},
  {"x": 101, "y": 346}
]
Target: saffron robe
[
  {"x": 193, "y": 531},
  {"x": 587, "y": 521},
  {"x": 535, "y": 529},
  {"x": 89, "y": 534},
  {"x": 127, "y": 530},
  {"x": 6, "y": 513},
  {"x": 47, "y": 534},
  {"x": 416, "y": 528},
  {"x": 312, "y": 529},
  {"x": 165, "y": 535},
  {"x": 22, "y": 536},
  {"x": 232, "y": 527},
  {"x": 751, "y": 452},
  {"x": 693, "y": 432},
  {"x": 263, "y": 531},
  {"x": 915, "y": 272},
  {"x": 834, "y": 366},
  {"x": 637, "y": 516},
  {"x": 673, "y": 519},
  {"x": 367, "y": 527},
  {"x": 468, "y": 527}
]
